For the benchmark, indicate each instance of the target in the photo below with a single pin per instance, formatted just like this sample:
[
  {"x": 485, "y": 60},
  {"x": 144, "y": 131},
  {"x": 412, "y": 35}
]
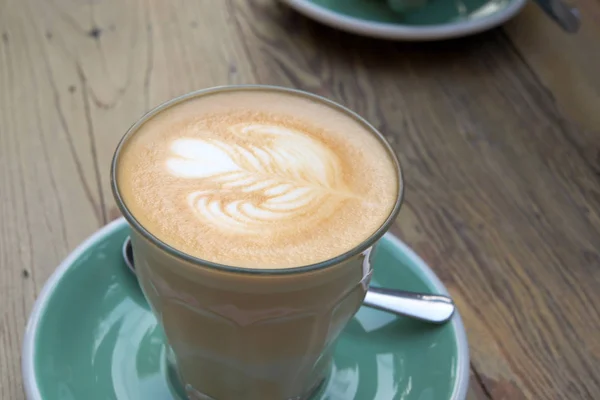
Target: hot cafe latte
[{"x": 257, "y": 179}]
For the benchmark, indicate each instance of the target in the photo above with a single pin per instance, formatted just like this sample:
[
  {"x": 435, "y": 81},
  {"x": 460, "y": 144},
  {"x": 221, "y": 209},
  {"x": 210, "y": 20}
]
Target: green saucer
[
  {"x": 437, "y": 19},
  {"x": 91, "y": 336}
]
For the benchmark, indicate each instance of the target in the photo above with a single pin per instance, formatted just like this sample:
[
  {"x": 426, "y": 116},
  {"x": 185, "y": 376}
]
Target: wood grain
[
  {"x": 568, "y": 67},
  {"x": 499, "y": 152},
  {"x": 566, "y": 64},
  {"x": 49, "y": 197}
]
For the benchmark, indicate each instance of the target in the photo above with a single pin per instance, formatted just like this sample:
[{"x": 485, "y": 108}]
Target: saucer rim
[
  {"x": 389, "y": 31},
  {"x": 32, "y": 390}
]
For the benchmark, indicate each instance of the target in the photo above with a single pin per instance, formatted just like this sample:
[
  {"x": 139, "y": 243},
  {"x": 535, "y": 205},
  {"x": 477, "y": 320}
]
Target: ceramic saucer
[
  {"x": 438, "y": 19},
  {"x": 91, "y": 336}
]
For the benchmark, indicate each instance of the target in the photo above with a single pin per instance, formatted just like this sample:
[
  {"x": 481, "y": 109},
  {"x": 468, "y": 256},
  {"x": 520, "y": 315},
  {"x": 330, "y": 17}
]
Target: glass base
[{"x": 186, "y": 392}]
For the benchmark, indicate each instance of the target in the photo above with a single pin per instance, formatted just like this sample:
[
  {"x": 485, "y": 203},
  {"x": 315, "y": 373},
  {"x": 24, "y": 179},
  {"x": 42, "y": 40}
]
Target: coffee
[{"x": 257, "y": 179}]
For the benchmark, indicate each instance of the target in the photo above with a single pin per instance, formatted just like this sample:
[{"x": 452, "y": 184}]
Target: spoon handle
[
  {"x": 426, "y": 307},
  {"x": 567, "y": 17}
]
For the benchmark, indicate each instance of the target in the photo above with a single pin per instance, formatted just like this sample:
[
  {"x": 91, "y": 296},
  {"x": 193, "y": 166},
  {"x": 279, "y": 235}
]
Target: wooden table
[{"x": 499, "y": 136}]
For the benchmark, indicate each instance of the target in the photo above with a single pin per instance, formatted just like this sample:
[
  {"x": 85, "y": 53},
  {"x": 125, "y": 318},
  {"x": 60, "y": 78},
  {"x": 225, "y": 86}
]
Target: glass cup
[{"x": 253, "y": 334}]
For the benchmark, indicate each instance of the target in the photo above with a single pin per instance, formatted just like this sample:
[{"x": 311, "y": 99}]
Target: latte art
[{"x": 270, "y": 175}]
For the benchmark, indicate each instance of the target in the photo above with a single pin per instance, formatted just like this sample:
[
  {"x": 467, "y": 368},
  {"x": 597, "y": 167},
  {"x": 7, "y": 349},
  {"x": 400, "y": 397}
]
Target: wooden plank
[
  {"x": 498, "y": 199},
  {"x": 568, "y": 67},
  {"x": 49, "y": 197}
]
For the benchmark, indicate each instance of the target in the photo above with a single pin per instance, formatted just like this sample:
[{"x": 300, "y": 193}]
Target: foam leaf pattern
[{"x": 265, "y": 175}]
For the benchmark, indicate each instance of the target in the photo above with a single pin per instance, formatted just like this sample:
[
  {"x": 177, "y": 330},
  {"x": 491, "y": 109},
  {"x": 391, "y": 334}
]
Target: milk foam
[{"x": 258, "y": 180}]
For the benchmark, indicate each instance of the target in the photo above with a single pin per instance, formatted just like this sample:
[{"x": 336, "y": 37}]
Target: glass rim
[{"x": 365, "y": 244}]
